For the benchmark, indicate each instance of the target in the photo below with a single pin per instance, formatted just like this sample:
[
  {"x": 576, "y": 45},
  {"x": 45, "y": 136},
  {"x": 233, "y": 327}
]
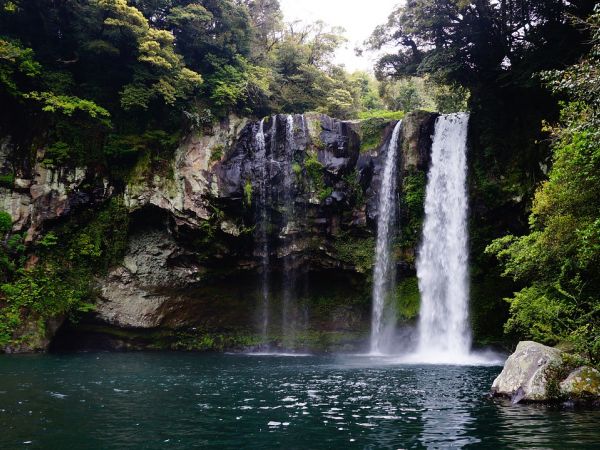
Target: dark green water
[{"x": 180, "y": 401}]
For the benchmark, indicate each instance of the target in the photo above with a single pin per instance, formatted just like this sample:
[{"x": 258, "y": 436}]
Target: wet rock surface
[
  {"x": 582, "y": 383},
  {"x": 199, "y": 264},
  {"x": 524, "y": 377},
  {"x": 532, "y": 371}
]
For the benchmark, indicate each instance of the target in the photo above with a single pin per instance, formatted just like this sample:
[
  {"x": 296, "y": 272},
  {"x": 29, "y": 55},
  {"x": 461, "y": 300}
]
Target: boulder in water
[{"x": 524, "y": 377}]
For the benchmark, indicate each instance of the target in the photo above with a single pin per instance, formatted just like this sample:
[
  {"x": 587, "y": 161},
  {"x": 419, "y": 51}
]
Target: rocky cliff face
[{"x": 193, "y": 260}]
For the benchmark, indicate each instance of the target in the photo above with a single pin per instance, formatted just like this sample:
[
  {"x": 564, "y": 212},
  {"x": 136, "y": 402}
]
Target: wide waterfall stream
[{"x": 442, "y": 263}]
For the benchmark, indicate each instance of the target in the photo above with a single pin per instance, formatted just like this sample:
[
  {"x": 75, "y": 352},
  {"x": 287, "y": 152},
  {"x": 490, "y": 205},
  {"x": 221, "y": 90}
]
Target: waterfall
[
  {"x": 262, "y": 238},
  {"x": 384, "y": 273},
  {"x": 289, "y": 272},
  {"x": 442, "y": 263}
]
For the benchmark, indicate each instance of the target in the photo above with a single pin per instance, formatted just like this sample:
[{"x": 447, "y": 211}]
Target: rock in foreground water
[
  {"x": 537, "y": 373},
  {"x": 524, "y": 374}
]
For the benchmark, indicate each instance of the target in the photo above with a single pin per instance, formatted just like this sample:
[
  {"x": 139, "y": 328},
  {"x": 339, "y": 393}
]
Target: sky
[{"x": 358, "y": 17}]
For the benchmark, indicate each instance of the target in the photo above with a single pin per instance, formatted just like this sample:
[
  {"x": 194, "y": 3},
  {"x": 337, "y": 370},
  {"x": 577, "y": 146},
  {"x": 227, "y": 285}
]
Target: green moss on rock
[
  {"x": 371, "y": 134},
  {"x": 408, "y": 298},
  {"x": 357, "y": 251}
]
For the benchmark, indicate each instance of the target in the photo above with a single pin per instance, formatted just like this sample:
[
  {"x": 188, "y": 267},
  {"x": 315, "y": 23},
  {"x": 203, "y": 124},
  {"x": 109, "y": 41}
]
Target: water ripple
[{"x": 130, "y": 401}]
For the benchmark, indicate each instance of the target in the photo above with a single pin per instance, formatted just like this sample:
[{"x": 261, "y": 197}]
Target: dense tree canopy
[
  {"x": 129, "y": 75},
  {"x": 468, "y": 42}
]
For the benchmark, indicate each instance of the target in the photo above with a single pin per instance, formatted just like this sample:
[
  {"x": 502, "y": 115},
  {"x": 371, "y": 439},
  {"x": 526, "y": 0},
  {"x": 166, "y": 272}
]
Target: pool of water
[{"x": 181, "y": 401}]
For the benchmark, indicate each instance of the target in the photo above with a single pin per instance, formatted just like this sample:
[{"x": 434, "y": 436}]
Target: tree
[
  {"x": 469, "y": 41},
  {"x": 559, "y": 260}
]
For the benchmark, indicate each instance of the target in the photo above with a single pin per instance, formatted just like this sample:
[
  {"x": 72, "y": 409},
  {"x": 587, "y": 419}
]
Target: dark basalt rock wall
[{"x": 192, "y": 269}]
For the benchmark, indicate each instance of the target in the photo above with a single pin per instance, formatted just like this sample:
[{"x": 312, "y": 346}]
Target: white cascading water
[
  {"x": 289, "y": 275},
  {"x": 442, "y": 263},
  {"x": 262, "y": 236},
  {"x": 384, "y": 272}
]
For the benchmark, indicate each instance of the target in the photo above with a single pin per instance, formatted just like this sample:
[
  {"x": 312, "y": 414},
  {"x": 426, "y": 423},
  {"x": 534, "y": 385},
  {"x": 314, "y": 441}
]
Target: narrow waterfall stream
[
  {"x": 289, "y": 273},
  {"x": 262, "y": 230},
  {"x": 442, "y": 263},
  {"x": 384, "y": 272}
]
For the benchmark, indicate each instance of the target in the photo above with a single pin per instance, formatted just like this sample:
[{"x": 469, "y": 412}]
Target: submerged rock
[{"x": 524, "y": 376}]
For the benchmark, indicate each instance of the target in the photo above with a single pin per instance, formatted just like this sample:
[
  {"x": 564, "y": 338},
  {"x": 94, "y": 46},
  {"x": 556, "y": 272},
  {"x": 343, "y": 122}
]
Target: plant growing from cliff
[
  {"x": 60, "y": 283},
  {"x": 371, "y": 133},
  {"x": 358, "y": 251},
  {"x": 7, "y": 180},
  {"x": 216, "y": 153},
  {"x": 408, "y": 298},
  {"x": 413, "y": 200},
  {"x": 40, "y": 293},
  {"x": 5, "y": 223},
  {"x": 316, "y": 175},
  {"x": 352, "y": 180},
  {"x": 248, "y": 193}
]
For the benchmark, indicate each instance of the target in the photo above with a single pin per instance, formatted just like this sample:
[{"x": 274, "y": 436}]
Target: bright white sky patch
[{"x": 358, "y": 17}]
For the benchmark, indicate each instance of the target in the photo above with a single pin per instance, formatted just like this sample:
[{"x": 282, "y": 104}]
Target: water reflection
[
  {"x": 446, "y": 417},
  {"x": 119, "y": 401}
]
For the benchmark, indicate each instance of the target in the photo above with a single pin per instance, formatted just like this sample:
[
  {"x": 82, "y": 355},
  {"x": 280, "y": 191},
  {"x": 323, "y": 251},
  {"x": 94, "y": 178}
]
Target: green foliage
[
  {"x": 357, "y": 251},
  {"x": 316, "y": 175},
  {"x": 339, "y": 103},
  {"x": 408, "y": 298},
  {"x": 60, "y": 283},
  {"x": 413, "y": 200},
  {"x": 102, "y": 242},
  {"x": 204, "y": 341},
  {"x": 58, "y": 153},
  {"x": 15, "y": 61},
  {"x": 371, "y": 131},
  {"x": 354, "y": 188},
  {"x": 297, "y": 169},
  {"x": 248, "y": 192},
  {"x": 48, "y": 240},
  {"x": 5, "y": 222},
  {"x": 216, "y": 153},
  {"x": 460, "y": 42},
  {"x": 68, "y": 105},
  {"x": 558, "y": 260},
  {"x": 43, "y": 293},
  {"x": 381, "y": 114},
  {"x": 7, "y": 180},
  {"x": 237, "y": 85}
]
